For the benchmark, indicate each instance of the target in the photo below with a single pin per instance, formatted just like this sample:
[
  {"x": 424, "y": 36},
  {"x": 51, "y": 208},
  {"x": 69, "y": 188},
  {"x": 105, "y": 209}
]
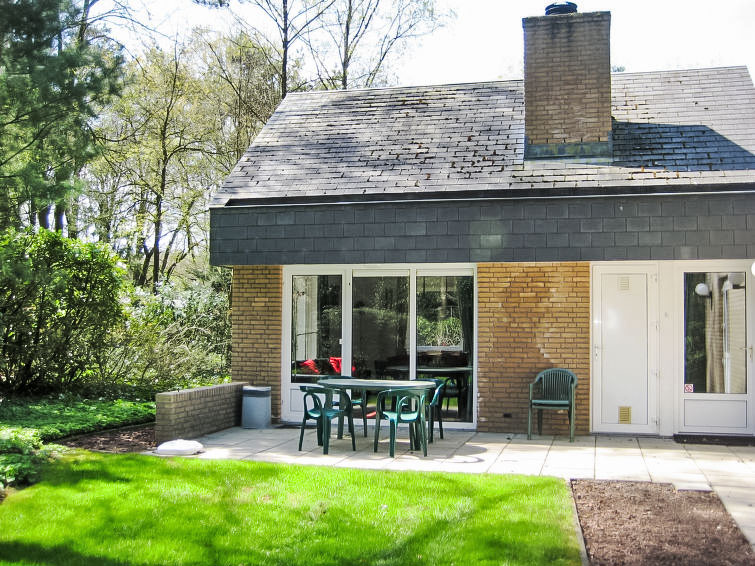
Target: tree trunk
[
  {"x": 284, "y": 62},
  {"x": 43, "y": 216},
  {"x": 60, "y": 213},
  {"x": 346, "y": 39},
  {"x": 156, "y": 245},
  {"x": 72, "y": 217}
]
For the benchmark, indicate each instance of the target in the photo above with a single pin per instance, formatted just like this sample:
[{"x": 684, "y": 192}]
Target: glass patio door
[
  {"x": 374, "y": 322},
  {"x": 445, "y": 338},
  {"x": 380, "y": 325},
  {"x": 313, "y": 343},
  {"x": 717, "y": 353}
]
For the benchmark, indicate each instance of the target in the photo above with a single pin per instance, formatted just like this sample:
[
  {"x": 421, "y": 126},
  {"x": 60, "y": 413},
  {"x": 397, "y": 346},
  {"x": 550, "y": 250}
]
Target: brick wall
[
  {"x": 531, "y": 316},
  {"x": 256, "y": 317},
  {"x": 189, "y": 413},
  {"x": 567, "y": 79}
]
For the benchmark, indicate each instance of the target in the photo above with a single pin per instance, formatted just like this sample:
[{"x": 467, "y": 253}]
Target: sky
[{"x": 484, "y": 41}]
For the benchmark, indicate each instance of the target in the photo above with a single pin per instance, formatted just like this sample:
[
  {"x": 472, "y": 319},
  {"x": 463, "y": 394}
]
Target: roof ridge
[
  {"x": 687, "y": 70},
  {"x": 336, "y": 92},
  {"x": 406, "y": 87}
]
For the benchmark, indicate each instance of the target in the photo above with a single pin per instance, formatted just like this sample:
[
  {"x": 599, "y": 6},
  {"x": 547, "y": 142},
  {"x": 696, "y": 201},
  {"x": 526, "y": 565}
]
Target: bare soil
[
  {"x": 651, "y": 524},
  {"x": 118, "y": 441},
  {"x": 623, "y": 523}
]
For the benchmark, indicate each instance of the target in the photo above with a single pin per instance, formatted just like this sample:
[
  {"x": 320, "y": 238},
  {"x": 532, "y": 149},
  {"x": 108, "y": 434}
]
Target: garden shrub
[
  {"x": 69, "y": 322},
  {"x": 59, "y": 298},
  {"x": 177, "y": 338},
  {"x": 21, "y": 454}
]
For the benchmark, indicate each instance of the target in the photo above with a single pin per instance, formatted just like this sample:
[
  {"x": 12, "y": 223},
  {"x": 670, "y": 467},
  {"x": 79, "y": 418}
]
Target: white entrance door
[
  {"x": 625, "y": 342},
  {"x": 716, "y": 348}
]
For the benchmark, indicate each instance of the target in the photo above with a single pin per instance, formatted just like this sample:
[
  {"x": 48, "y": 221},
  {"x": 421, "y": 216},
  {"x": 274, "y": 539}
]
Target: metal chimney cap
[{"x": 558, "y": 8}]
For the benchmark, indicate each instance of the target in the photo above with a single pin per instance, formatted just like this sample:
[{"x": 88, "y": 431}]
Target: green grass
[
  {"x": 58, "y": 418},
  {"x": 139, "y": 510},
  {"x": 25, "y": 424}
]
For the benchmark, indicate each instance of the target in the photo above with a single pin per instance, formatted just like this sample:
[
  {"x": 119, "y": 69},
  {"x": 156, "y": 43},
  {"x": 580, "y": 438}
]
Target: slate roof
[{"x": 671, "y": 129}]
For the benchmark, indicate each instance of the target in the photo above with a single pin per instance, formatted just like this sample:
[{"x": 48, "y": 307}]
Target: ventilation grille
[
  {"x": 625, "y": 415},
  {"x": 623, "y": 283}
]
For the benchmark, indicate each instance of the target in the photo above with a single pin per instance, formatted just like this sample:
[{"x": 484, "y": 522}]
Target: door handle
[{"x": 748, "y": 349}]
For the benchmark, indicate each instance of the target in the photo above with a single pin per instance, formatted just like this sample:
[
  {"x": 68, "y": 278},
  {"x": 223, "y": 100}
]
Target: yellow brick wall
[
  {"x": 256, "y": 316},
  {"x": 531, "y": 316},
  {"x": 567, "y": 78}
]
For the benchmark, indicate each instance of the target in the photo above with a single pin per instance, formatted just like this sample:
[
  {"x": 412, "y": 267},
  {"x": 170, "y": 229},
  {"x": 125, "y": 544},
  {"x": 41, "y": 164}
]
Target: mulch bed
[
  {"x": 652, "y": 524},
  {"x": 119, "y": 441},
  {"x": 623, "y": 523}
]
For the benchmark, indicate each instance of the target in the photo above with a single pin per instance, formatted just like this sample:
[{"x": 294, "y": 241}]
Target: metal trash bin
[{"x": 255, "y": 407}]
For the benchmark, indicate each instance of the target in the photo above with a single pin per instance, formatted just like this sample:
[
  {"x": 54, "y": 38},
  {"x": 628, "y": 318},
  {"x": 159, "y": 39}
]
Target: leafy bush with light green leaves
[
  {"x": 445, "y": 332},
  {"x": 176, "y": 338},
  {"x": 21, "y": 453},
  {"x": 59, "y": 298}
]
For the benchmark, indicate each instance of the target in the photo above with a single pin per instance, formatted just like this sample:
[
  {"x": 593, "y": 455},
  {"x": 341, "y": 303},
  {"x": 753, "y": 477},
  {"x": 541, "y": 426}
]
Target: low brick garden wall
[{"x": 188, "y": 413}]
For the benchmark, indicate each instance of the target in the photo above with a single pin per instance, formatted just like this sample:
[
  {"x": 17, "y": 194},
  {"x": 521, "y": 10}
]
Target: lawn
[
  {"x": 25, "y": 424},
  {"x": 139, "y": 510},
  {"x": 59, "y": 417}
]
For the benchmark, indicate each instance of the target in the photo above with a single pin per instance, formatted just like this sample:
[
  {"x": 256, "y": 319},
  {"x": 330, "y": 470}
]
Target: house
[{"x": 483, "y": 232}]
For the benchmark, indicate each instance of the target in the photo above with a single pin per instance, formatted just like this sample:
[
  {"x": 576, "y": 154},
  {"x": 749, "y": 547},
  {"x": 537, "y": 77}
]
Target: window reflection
[
  {"x": 316, "y": 327},
  {"x": 445, "y": 338},
  {"x": 715, "y": 333},
  {"x": 380, "y": 317}
]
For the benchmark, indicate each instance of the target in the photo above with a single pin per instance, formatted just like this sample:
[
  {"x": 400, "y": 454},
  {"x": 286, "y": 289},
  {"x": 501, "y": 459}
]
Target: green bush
[
  {"x": 177, "y": 338},
  {"x": 21, "y": 453},
  {"x": 59, "y": 298},
  {"x": 70, "y": 323}
]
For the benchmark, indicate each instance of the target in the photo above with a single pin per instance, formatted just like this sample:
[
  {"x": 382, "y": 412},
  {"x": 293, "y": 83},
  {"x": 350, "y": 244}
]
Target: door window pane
[
  {"x": 315, "y": 327},
  {"x": 715, "y": 339},
  {"x": 445, "y": 338},
  {"x": 380, "y": 317}
]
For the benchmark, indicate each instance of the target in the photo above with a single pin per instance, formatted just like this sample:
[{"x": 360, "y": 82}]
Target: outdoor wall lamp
[{"x": 702, "y": 290}]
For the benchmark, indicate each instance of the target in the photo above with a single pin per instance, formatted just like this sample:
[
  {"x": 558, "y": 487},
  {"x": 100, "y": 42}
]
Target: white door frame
[
  {"x": 724, "y": 402},
  {"x": 629, "y": 268},
  {"x": 290, "y": 396}
]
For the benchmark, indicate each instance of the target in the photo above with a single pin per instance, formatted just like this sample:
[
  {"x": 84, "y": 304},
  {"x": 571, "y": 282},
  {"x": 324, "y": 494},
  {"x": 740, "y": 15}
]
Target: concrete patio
[{"x": 728, "y": 470}]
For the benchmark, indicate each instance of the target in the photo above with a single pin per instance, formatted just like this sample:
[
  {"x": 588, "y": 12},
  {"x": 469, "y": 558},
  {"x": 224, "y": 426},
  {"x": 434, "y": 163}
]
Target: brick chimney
[{"x": 567, "y": 84}]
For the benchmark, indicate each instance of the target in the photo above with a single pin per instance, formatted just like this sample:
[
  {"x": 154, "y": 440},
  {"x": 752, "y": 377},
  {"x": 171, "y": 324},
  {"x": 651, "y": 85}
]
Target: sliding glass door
[
  {"x": 393, "y": 322},
  {"x": 445, "y": 338},
  {"x": 380, "y": 326},
  {"x": 315, "y": 327}
]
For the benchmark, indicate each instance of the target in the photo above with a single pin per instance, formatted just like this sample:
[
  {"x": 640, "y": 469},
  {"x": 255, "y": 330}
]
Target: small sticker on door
[{"x": 689, "y": 387}]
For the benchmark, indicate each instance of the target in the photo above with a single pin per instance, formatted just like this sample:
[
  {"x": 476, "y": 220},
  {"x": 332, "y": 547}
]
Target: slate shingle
[{"x": 669, "y": 128}]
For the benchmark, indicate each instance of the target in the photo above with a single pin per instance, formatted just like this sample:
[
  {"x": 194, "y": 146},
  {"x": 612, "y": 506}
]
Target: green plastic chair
[
  {"x": 552, "y": 389},
  {"x": 344, "y": 409},
  {"x": 409, "y": 407},
  {"x": 451, "y": 390},
  {"x": 435, "y": 408},
  {"x": 313, "y": 410},
  {"x": 360, "y": 402},
  {"x": 323, "y": 415}
]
